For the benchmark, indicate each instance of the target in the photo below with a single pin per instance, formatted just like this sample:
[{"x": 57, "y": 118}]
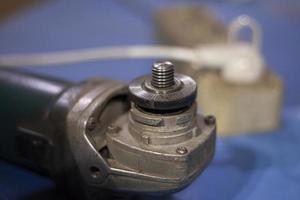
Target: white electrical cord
[
  {"x": 240, "y": 62},
  {"x": 94, "y": 54}
]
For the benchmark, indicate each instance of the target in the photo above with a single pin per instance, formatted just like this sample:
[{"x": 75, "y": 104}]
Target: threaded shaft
[{"x": 163, "y": 75}]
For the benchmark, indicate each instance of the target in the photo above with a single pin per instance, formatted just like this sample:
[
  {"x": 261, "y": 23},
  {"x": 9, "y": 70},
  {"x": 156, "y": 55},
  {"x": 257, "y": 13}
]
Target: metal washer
[{"x": 182, "y": 94}]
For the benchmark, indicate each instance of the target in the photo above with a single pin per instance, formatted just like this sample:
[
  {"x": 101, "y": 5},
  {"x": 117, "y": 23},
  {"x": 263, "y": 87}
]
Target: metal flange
[{"x": 164, "y": 90}]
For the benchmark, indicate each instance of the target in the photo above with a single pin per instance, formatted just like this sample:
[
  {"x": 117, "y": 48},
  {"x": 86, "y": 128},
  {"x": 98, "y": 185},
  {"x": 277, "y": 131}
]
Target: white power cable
[
  {"x": 240, "y": 62},
  {"x": 94, "y": 54}
]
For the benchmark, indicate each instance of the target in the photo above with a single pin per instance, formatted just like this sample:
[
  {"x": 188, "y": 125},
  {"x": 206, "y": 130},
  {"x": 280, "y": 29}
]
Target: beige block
[
  {"x": 241, "y": 108},
  {"x": 189, "y": 26}
]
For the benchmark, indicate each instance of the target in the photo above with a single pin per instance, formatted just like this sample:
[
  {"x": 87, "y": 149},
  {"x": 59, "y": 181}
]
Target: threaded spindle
[{"x": 163, "y": 75}]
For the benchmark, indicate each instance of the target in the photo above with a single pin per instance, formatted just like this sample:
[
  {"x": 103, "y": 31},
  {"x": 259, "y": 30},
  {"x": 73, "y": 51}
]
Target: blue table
[{"x": 254, "y": 167}]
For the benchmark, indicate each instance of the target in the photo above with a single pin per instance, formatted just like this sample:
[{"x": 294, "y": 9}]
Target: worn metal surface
[
  {"x": 258, "y": 166},
  {"x": 97, "y": 141},
  {"x": 163, "y": 90}
]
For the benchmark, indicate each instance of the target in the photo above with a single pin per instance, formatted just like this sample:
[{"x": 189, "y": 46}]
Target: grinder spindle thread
[
  {"x": 163, "y": 75},
  {"x": 163, "y": 90}
]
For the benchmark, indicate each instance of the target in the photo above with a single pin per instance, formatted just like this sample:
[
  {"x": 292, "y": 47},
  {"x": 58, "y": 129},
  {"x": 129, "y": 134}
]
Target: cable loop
[{"x": 242, "y": 22}]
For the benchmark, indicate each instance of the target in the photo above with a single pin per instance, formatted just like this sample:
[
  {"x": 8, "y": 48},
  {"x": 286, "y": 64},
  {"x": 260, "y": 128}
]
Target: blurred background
[{"x": 261, "y": 166}]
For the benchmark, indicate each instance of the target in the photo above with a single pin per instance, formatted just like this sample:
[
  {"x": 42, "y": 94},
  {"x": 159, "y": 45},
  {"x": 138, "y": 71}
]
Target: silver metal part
[
  {"x": 93, "y": 140},
  {"x": 132, "y": 148},
  {"x": 164, "y": 90},
  {"x": 173, "y": 149},
  {"x": 163, "y": 75}
]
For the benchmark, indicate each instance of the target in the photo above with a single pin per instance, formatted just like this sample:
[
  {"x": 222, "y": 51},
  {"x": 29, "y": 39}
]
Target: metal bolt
[
  {"x": 181, "y": 150},
  {"x": 113, "y": 129},
  {"x": 210, "y": 120},
  {"x": 163, "y": 75},
  {"x": 95, "y": 172},
  {"x": 163, "y": 90},
  {"x": 91, "y": 123}
]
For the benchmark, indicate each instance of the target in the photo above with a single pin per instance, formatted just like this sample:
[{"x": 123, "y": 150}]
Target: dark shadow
[{"x": 46, "y": 194}]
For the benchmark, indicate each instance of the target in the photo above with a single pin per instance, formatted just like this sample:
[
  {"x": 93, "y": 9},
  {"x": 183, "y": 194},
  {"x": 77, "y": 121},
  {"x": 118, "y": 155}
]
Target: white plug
[
  {"x": 246, "y": 67},
  {"x": 240, "y": 62}
]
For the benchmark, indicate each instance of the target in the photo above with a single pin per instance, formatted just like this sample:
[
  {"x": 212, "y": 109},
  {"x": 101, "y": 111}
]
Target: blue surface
[{"x": 246, "y": 167}]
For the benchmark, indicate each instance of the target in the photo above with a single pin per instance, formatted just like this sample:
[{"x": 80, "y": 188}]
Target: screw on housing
[
  {"x": 91, "y": 123},
  {"x": 210, "y": 120},
  {"x": 181, "y": 150}
]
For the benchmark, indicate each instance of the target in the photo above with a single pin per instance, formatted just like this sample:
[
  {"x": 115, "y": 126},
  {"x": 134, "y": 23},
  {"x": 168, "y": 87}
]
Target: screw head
[
  {"x": 95, "y": 172},
  {"x": 210, "y": 120},
  {"x": 181, "y": 150},
  {"x": 91, "y": 123}
]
